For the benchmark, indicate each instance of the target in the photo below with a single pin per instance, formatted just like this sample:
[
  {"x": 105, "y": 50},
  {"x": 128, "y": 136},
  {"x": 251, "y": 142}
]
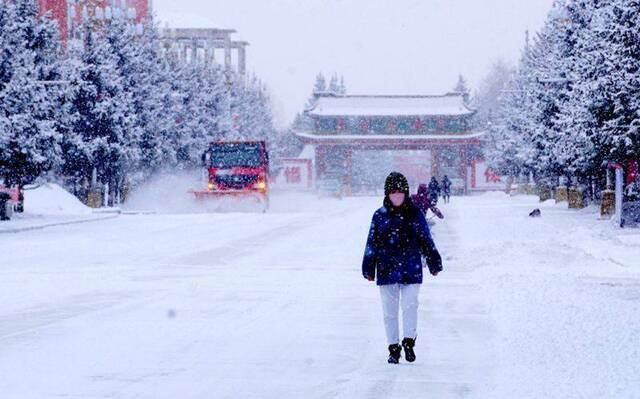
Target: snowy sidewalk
[
  {"x": 564, "y": 295},
  {"x": 20, "y": 223},
  {"x": 49, "y": 205}
]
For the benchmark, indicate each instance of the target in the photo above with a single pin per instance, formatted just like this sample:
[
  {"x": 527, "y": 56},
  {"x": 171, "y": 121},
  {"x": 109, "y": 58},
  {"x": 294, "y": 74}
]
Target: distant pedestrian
[
  {"x": 4, "y": 205},
  {"x": 434, "y": 190},
  {"x": 421, "y": 200},
  {"x": 446, "y": 189},
  {"x": 398, "y": 239}
]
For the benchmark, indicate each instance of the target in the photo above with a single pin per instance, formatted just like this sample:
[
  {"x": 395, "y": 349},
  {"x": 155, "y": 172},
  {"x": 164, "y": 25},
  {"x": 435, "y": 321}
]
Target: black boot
[
  {"x": 394, "y": 353},
  {"x": 408, "y": 344}
]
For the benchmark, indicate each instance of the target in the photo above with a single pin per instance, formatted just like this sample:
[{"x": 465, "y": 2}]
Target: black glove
[{"x": 435, "y": 263}]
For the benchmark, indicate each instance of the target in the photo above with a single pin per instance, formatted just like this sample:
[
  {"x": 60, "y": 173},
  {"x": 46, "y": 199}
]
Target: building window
[
  {"x": 454, "y": 126},
  {"x": 363, "y": 125},
  {"x": 418, "y": 125},
  {"x": 378, "y": 125},
  {"x": 403, "y": 126},
  {"x": 353, "y": 125},
  {"x": 391, "y": 125},
  {"x": 327, "y": 125},
  {"x": 430, "y": 126}
]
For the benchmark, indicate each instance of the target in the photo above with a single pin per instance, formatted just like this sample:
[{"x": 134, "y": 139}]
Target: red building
[{"x": 70, "y": 13}]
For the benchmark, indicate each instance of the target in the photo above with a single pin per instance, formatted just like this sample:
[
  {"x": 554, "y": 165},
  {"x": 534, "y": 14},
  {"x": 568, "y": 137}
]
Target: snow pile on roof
[
  {"x": 51, "y": 199},
  {"x": 447, "y": 105}
]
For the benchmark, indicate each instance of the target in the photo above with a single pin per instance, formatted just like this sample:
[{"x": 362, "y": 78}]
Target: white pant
[{"x": 391, "y": 296}]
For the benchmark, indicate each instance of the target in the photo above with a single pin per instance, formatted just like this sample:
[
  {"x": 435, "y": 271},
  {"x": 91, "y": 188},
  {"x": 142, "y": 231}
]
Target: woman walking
[{"x": 398, "y": 239}]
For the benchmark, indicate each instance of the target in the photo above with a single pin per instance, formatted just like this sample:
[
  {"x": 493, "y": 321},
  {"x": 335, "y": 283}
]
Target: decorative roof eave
[{"x": 386, "y": 140}]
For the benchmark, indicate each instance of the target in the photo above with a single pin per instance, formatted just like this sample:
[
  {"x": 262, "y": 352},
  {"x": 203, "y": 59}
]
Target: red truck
[{"x": 236, "y": 169}]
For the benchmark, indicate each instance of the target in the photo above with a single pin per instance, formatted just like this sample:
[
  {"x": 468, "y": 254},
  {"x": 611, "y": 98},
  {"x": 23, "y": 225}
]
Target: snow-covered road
[{"x": 273, "y": 306}]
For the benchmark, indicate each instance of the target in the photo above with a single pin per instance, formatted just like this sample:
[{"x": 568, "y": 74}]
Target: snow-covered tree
[
  {"x": 204, "y": 109},
  {"x": 622, "y": 38},
  {"x": 462, "y": 88},
  {"x": 251, "y": 111},
  {"x": 605, "y": 103},
  {"x": 103, "y": 111},
  {"x": 577, "y": 121},
  {"x": 506, "y": 145},
  {"x": 574, "y": 105},
  {"x": 491, "y": 88},
  {"x": 119, "y": 107},
  {"x": 342, "y": 88},
  {"x": 29, "y": 142},
  {"x": 321, "y": 84},
  {"x": 334, "y": 84},
  {"x": 154, "y": 103}
]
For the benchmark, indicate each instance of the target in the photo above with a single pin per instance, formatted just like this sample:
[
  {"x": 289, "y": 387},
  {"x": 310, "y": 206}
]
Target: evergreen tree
[
  {"x": 342, "y": 89},
  {"x": 103, "y": 111},
  {"x": 486, "y": 99},
  {"x": 506, "y": 147},
  {"x": 462, "y": 88},
  {"x": 320, "y": 86},
  {"x": 28, "y": 60},
  {"x": 334, "y": 85},
  {"x": 549, "y": 64},
  {"x": 251, "y": 112},
  {"x": 204, "y": 109},
  {"x": 154, "y": 103},
  {"x": 612, "y": 84},
  {"x": 577, "y": 146}
]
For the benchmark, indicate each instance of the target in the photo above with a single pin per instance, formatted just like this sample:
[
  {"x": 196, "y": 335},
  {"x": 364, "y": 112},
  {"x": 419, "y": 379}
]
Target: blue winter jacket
[{"x": 398, "y": 239}]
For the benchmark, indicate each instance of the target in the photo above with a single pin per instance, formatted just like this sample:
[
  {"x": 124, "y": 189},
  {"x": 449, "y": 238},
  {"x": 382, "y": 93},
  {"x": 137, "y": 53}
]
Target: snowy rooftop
[
  {"x": 389, "y": 137},
  {"x": 445, "y": 105}
]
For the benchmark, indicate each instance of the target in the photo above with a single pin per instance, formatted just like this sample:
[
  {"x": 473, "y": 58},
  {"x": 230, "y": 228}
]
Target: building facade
[
  {"x": 357, "y": 140},
  {"x": 70, "y": 13}
]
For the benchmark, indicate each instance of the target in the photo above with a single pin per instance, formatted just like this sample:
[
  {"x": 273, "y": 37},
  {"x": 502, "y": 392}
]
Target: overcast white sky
[{"x": 380, "y": 46}]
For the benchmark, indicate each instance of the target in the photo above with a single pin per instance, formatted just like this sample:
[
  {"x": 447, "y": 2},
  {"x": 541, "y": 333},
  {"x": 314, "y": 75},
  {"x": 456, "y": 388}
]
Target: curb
[{"x": 55, "y": 224}]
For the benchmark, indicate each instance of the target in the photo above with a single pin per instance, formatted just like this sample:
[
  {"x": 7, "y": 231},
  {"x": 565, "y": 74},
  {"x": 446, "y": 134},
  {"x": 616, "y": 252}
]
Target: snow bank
[{"x": 51, "y": 199}]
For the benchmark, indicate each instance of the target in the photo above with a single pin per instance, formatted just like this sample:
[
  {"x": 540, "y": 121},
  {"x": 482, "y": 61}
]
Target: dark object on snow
[
  {"x": 535, "y": 213},
  {"x": 422, "y": 201},
  {"x": 398, "y": 239},
  {"x": 4, "y": 204},
  {"x": 394, "y": 354},
  {"x": 409, "y": 354}
]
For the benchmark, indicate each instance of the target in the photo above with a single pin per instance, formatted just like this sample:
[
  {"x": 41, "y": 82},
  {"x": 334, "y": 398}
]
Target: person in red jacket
[{"x": 422, "y": 201}]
